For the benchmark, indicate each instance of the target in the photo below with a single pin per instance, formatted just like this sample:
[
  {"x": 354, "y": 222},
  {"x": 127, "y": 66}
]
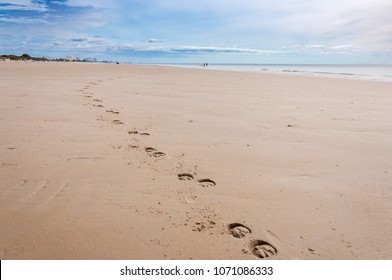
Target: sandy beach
[{"x": 144, "y": 162}]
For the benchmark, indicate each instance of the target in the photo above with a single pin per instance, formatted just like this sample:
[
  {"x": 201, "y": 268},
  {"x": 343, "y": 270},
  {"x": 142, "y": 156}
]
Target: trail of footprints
[
  {"x": 258, "y": 247},
  {"x": 205, "y": 183}
]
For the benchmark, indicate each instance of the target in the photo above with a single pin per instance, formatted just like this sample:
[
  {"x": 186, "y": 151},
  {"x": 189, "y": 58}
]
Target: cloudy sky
[{"x": 235, "y": 31}]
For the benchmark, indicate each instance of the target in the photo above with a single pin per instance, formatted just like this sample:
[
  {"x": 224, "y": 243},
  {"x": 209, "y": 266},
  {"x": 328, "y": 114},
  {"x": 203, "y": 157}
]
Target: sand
[{"x": 140, "y": 162}]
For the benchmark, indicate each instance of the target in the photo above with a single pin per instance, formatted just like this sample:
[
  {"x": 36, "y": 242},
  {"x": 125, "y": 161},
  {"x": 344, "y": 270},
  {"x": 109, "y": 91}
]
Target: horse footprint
[
  {"x": 150, "y": 150},
  {"x": 117, "y": 122},
  {"x": 239, "y": 230},
  {"x": 158, "y": 154},
  {"x": 263, "y": 249},
  {"x": 205, "y": 183},
  {"x": 185, "y": 177},
  {"x": 113, "y": 112}
]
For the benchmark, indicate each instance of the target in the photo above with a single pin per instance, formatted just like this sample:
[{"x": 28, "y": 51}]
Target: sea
[{"x": 367, "y": 72}]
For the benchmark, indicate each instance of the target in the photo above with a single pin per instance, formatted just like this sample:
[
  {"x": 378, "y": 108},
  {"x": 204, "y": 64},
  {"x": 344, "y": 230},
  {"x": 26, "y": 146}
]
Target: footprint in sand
[
  {"x": 185, "y": 177},
  {"x": 117, "y": 122},
  {"x": 137, "y": 132},
  {"x": 262, "y": 249},
  {"x": 133, "y": 147},
  {"x": 239, "y": 230},
  {"x": 158, "y": 154},
  {"x": 133, "y": 132},
  {"x": 205, "y": 183},
  {"x": 150, "y": 150},
  {"x": 113, "y": 112}
]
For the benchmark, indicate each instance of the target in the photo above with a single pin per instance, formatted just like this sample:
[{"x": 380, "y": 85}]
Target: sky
[{"x": 196, "y": 31}]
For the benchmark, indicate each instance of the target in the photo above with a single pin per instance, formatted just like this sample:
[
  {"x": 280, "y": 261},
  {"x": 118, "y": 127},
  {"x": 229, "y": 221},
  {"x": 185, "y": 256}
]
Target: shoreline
[
  {"x": 105, "y": 161},
  {"x": 240, "y": 68},
  {"x": 261, "y": 69}
]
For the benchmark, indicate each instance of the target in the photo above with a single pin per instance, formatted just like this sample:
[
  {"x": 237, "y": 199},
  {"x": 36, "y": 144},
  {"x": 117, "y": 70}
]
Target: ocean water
[{"x": 368, "y": 72}]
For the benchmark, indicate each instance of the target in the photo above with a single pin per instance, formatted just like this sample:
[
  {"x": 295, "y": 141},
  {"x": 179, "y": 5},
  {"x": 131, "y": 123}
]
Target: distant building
[
  {"x": 71, "y": 58},
  {"x": 90, "y": 59}
]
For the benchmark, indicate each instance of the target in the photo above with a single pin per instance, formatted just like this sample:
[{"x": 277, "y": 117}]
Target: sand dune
[{"x": 134, "y": 162}]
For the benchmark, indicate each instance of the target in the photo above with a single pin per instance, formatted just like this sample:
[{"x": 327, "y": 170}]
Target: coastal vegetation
[
  {"x": 27, "y": 57},
  {"x": 22, "y": 57}
]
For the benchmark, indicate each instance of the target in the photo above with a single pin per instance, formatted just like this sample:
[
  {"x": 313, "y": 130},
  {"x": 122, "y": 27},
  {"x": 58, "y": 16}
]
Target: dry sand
[{"x": 304, "y": 163}]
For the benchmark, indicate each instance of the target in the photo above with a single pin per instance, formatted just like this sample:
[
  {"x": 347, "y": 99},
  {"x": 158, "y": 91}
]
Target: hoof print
[
  {"x": 150, "y": 150},
  {"x": 133, "y": 132},
  {"x": 205, "y": 183},
  {"x": 117, "y": 122},
  {"x": 185, "y": 177},
  {"x": 158, "y": 154},
  {"x": 239, "y": 230},
  {"x": 133, "y": 147},
  {"x": 263, "y": 249}
]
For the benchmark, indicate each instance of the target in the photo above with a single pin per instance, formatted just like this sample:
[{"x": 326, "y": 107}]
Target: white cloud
[
  {"x": 198, "y": 49},
  {"x": 341, "y": 47},
  {"x": 315, "y": 47},
  {"x": 81, "y": 40},
  {"x": 138, "y": 48},
  {"x": 17, "y": 2},
  {"x": 24, "y": 20},
  {"x": 335, "y": 22},
  {"x": 81, "y": 43},
  {"x": 26, "y": 5},
  {"x": 90, "y": 3},
  {"x": 251, "y": 27}
]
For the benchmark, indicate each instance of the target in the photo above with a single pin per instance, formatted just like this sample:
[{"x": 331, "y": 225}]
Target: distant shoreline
[
  {"x": 346, "y": 71},
  {"x": 379, "y": 73}
]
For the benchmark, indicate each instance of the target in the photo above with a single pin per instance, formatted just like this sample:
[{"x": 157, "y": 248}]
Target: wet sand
[{"x": 139, "y": 162}]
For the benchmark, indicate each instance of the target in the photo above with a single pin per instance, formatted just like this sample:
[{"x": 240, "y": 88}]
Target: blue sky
[{"x": 235, "y": 31}]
